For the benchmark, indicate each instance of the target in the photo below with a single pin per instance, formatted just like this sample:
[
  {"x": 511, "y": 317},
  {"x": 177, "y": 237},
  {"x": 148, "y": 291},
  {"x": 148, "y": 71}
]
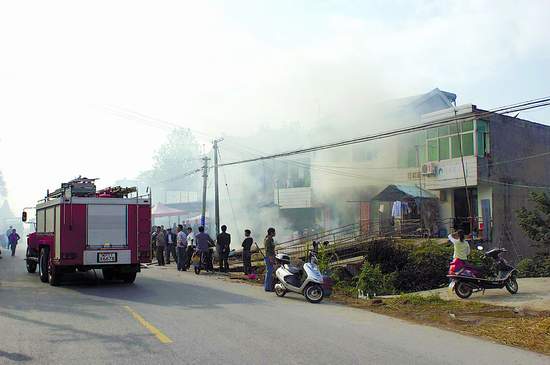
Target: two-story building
[{"x": 479, "y": 168}]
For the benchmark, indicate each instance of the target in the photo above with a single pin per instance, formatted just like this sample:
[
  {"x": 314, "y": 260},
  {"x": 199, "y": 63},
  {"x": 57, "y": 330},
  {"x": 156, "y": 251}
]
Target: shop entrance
[{"x": 461, "y": 213}]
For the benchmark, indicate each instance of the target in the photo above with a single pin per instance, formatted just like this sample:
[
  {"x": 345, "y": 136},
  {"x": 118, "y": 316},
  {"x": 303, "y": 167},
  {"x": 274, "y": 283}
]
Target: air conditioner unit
[{"x": 429, "y": 169}]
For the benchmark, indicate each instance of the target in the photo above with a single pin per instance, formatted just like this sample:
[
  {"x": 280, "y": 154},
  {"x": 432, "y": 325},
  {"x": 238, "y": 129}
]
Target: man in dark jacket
[
  {"x": 247, "y": 244},
  {"x": 204, "y": 242},
  {"x": 224, "y": 241},
  {"x": 171, "y": 239},
  {"x": 13, "y": 239}
]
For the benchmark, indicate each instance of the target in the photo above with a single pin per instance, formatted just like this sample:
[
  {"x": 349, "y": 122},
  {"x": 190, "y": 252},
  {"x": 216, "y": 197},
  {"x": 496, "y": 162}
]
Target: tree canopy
[
  {"x": 536, "y": 222},
  {"x": 176, "y": 156}
]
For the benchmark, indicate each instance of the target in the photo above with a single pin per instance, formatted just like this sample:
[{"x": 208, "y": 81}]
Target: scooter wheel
[
  {"x": 314, "y": 293},
  {"x": 197, "y": 270},
  {"x": 462, "y": 290},
  {"x": 279, "y": 290},
  {"x": 512, "y": 285}
]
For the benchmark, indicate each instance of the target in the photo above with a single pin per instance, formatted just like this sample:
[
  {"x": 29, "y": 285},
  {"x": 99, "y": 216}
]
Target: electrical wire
[
  {"x": 535, "y": 103},
  {"x": 464, "y": 117}
]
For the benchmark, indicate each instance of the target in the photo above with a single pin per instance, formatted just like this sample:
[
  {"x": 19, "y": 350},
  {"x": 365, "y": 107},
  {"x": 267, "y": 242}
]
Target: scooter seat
[{"x": 294, "y": 270}]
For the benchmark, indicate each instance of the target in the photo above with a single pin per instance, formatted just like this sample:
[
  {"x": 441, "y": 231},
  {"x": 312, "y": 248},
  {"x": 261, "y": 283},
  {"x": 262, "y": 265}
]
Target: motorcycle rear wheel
[
  {"x": 462, "y": 290},
  {"x": 512, "y": 285},
  {"x": 279, "y": 290}
]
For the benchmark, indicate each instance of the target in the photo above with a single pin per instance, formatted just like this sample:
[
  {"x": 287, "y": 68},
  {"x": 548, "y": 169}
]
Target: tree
[
  {"x": 536, "y": 223},
  {"x": 178, "y": 155}
]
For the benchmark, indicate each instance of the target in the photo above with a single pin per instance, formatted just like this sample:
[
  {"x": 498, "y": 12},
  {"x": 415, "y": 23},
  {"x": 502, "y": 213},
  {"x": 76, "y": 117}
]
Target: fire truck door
[{"x": 107, "y": 225}]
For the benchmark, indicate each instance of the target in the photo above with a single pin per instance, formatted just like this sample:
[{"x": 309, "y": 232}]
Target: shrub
[
  {"x": 426, "y": 268},
  {"x": 538, "y": 266},
  {"x": 323, "y": 257},
  {"x": 370, "y": 279},
  {"x": 391, "y": 256}
]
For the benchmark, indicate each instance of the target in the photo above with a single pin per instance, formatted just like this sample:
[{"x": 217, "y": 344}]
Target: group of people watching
[
  {"x": 182, "y": 244},
  {"x": 10, "y": 240}
]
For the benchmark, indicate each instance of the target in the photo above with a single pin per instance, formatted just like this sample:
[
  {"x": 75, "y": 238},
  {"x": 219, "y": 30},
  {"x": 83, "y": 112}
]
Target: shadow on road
[
  {"x": 14, "y": 356},
  {"x": 149, "y": 290}
]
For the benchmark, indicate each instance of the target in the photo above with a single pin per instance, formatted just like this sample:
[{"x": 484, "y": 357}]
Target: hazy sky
[{"x": 71, "y": 70}]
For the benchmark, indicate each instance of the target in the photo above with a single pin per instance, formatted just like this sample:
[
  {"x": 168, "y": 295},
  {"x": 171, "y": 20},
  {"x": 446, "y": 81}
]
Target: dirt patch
[{"x": 525, "y": 329}]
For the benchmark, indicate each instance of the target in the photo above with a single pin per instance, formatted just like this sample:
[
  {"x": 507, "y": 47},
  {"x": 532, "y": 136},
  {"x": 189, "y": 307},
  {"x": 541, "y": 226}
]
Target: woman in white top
[{"x": 461, "y": 247}]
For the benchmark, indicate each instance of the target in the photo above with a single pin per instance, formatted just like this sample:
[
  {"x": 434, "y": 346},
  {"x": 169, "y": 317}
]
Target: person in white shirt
[
  {"x": 190, "y": 247},
  {"x": 181, "y": 247}
]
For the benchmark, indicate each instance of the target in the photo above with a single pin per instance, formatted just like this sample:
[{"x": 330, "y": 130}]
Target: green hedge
[
  {"x": 538, "y": 266},
  {"x": 405, "y": 267}
]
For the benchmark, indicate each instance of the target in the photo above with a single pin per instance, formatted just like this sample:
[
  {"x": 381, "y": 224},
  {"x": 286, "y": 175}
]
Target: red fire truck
[{"x": 79, "y": 229}]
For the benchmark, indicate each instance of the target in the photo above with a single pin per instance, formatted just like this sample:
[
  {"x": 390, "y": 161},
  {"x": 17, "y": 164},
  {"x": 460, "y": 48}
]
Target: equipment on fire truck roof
[{"x": 81, "y": 187}]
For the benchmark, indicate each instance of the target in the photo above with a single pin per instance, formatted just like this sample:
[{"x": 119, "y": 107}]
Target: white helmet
[{"x": 282, "y": 258}]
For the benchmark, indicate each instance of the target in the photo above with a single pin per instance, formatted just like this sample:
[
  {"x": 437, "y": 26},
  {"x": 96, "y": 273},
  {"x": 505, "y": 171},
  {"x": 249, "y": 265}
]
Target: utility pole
[
  {"x": 470, "y": 213},
  {"x": 204, "y": 185},
  {"x": 418, "y": 163},
  {"x": 216, "y": 187}
]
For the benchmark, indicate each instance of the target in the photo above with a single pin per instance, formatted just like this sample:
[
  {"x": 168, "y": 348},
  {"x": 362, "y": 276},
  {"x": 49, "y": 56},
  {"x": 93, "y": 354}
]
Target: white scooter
[{"x": 306, "y": 280}]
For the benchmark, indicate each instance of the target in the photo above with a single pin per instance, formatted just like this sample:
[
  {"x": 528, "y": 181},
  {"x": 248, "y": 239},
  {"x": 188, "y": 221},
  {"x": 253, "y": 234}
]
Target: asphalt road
[{"x": 168, "y": 317}]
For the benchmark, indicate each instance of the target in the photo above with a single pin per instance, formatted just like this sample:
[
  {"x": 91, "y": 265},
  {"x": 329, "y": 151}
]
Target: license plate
[{"x": 106, "y": 257}]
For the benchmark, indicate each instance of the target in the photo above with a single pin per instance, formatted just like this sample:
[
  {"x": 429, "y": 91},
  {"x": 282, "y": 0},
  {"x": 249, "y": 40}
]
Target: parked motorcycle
[
  {"x": 466, "y": 279},
  {"x": 306, "y": 280}
]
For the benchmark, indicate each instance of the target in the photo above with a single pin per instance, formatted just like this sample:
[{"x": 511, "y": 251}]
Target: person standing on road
[
  {"x": 13, "y": 239},
  {"x": 161, "y": 246},
  {"x": 190, "y": 247},
  {"x": 203, "y": 241},
  {"x": 269, "y": 246},
  {"x": 181, "y": 242},
  {"x": 247, "y": 245},
  {"x": 8, "y": 232},
  {"x": 170, "y": 246},
  {"x": 224, "y": 242}
]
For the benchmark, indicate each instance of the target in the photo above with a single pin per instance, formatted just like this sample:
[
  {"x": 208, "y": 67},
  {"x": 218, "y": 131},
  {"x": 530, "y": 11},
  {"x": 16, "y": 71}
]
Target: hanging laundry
[
  {"x": 406, "y": 208},
  {"x": 396, "y": 209}
]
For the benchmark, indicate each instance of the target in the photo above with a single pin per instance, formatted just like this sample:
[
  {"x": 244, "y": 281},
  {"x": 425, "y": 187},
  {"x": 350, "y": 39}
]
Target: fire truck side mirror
[{"x": 24, "y": 216}]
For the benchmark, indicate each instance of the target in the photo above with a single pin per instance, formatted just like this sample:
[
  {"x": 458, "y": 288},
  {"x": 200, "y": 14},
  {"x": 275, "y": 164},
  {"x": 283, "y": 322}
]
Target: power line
[{"x": 531, "y": 104}]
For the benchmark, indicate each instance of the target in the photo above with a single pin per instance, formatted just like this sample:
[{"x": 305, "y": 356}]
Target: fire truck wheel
[
  {"x": 108, "y": 274},
  {"x": 54, "y": 274},
  {"x": 31, "y": 265},
  {"x": 129, "y": 277},
  {"x": 43, "y": 264}
]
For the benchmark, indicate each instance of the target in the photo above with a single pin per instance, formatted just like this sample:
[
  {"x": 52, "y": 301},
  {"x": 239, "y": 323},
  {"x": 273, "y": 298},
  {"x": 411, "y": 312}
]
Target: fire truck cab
[{"x": 79, "y": 229}]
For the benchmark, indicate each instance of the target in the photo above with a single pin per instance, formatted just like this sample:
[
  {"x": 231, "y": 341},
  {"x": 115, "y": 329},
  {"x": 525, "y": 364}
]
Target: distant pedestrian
[
  {"x": 224, "y": 242},
  {"x": 154, "y": 240},
  {"x": 269, "y": 246},
  {"x": 247, "y": 245},
  {"x": 7, "y": 241},
  {"x": 170, "y": 246},
  {"x": 190, "y": 247},
  {"x": 161, "y": 245},
  {"x": 181, "y": 246},
  {"x": 13, "y": 239},
  {"x": 204, "y": 241}
]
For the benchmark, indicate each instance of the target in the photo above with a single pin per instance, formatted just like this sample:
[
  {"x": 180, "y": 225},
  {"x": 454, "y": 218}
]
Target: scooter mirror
[{"x": 480, "y": 248}]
